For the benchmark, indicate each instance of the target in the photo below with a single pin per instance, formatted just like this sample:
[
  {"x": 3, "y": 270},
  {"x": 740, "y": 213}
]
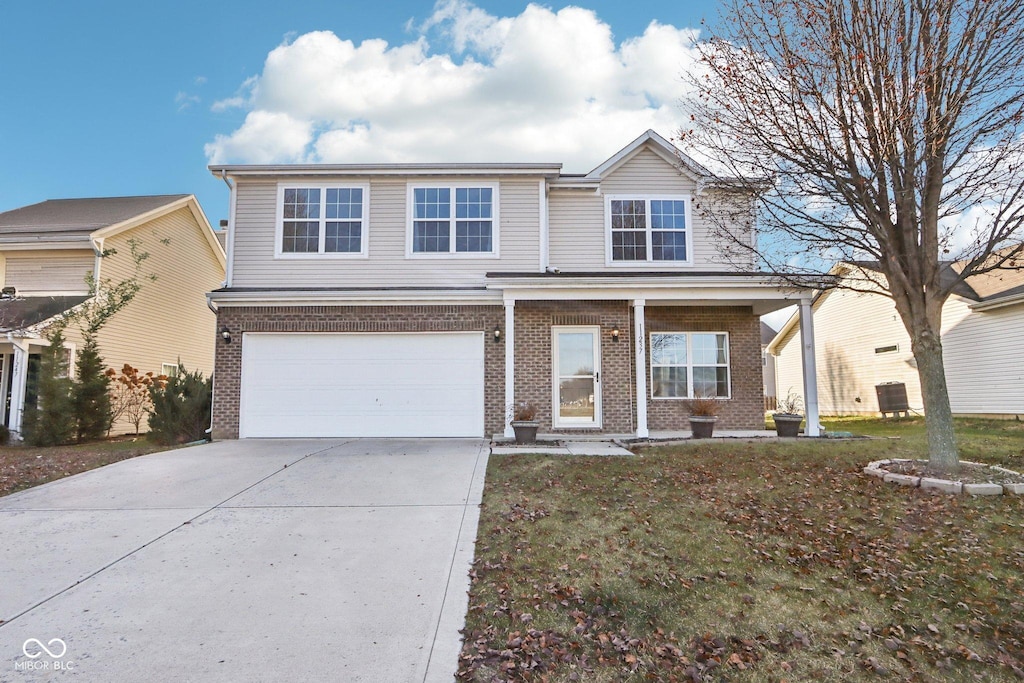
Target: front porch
[{"x": 603, "y": 356}]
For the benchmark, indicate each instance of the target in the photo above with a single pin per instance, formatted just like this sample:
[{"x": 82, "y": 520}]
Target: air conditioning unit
[{"x": 892, "y": 398}]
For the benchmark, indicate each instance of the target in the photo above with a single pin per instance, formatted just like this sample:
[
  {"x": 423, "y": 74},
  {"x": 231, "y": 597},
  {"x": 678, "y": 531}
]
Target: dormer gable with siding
[{"x": 640, "y": 210}]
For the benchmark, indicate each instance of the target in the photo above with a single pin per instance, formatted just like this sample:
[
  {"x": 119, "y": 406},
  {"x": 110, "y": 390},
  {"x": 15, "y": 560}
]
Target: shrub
[
  {"x": 702, "y": 406},
  {"x": 524, "y": 411},
  {"x": 181, "y": 407},
  {"x": 51, "y": 421},
  {"x": 129, "y": 395},
  {"x": 91, "y": 393}
]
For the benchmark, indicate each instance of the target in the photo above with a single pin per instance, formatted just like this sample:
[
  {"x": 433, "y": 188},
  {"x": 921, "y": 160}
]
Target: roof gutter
[{"x": 998, "y": 303}]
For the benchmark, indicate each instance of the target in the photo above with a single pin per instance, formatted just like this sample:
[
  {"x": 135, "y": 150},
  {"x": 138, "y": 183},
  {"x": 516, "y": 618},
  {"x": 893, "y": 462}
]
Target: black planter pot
[
  {"x": 787, "y": 424},
  {"x": 702, "y": 427},
  {"x": 526, "y": 431}
]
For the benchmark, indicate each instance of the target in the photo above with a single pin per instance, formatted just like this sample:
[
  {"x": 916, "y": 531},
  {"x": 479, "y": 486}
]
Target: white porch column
[
  {"x": 809, "y": 368},
  {"x": 639, "y": 343},
  {"x": 510, "y": 363},
  {"x": 19, "y": 379}
]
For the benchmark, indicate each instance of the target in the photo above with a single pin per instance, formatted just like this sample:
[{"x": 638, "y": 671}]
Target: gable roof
[
  {"x": 62, "y": 221},
  {"x": 662, "y": 147},
  {"x": 66, "y": 219},
  {"x": 986, "y": 290}
]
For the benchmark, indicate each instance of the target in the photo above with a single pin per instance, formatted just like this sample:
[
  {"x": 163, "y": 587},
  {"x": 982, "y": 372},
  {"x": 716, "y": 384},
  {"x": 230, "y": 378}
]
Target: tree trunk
[{"x": 938, "y": 417}]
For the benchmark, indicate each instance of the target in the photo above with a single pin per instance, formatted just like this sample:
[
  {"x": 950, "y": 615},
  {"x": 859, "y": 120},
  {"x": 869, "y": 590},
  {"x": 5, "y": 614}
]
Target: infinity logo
[{"x": 39, "y": 646}]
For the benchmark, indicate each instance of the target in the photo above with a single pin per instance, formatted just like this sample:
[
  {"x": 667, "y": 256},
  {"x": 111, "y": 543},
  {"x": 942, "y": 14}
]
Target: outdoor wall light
[
  {"x": 225, "y": 334},
  {"x": 615, "y": 334},
  {"x": 497, "y": 335}
]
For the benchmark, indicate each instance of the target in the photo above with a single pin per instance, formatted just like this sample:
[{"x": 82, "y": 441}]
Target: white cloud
[
  {"x": 185, "y": 100},
  {"x": 539, "y": 86},
  {"x": 264, "y": 137}
]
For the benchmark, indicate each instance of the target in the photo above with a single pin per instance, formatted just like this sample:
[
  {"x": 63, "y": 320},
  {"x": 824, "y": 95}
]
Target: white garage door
[{"x": 316, "y": 385}]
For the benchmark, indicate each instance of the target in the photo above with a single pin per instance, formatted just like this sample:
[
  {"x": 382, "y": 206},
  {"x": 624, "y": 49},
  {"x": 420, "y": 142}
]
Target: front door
[{"x": 576, "y": 352}]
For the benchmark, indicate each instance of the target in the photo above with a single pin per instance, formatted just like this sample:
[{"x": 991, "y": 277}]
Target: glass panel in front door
[{"x": 577, "y": 377}]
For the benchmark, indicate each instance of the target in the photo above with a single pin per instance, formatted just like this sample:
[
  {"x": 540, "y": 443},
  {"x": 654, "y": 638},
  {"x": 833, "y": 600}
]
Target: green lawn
[{"x": 747, "y": 562}]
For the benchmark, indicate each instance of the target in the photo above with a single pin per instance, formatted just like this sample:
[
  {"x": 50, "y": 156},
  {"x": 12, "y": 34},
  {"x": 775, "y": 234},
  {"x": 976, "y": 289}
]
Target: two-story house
[
  {"x": 47, "y": 250},
  {"x": 425, "y": 299}
]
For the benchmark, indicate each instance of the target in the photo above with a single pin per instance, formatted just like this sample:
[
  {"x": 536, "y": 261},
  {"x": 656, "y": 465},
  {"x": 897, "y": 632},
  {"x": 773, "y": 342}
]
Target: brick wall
[
  {"x": 745, "y": 410},
  {"x": 534, "y": 320},
  {"x": 227, "y": 377}
]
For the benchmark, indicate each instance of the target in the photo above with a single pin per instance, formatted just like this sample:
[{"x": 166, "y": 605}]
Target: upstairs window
[
  {"x": 453, "y": 220},
  {"x": 323, "y": 220},
  {"x": 648, "y": 229}
]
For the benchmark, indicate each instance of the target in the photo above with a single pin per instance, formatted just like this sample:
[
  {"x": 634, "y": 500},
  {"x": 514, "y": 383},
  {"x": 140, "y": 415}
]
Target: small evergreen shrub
[
  {"x": 181, "y": 407},
  {"x": 51, "y": 421},
  {"x": 91, "y": 394}
]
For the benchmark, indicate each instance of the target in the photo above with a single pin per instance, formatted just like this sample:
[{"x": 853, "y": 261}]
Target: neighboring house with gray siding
[
  {"x": 425, "y": 299},
  {"x": 860, "y": 342},
  {"x": 48, "y": 249}
]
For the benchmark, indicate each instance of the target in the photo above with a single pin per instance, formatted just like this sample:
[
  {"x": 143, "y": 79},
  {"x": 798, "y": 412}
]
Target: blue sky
[{"x": 121, "y": 98}]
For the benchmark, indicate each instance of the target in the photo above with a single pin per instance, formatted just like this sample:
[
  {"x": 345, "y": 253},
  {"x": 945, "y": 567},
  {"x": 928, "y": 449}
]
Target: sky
[{"x": 113, "y": 98}]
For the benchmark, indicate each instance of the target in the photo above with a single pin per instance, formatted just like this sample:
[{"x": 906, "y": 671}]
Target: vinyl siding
[
  {"x": 168, "y": 319},
  {"x": 577, "y": 223},
  {"x": 981, "y": 353},
  {"x": 48, "y": 271},
  {"x": 386, "y": 264},
  {"x": 848, "y": 326}
]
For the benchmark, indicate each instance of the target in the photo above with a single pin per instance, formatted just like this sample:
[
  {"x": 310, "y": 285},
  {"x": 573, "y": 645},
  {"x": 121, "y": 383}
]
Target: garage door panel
[{"x": 362, "y": 385}]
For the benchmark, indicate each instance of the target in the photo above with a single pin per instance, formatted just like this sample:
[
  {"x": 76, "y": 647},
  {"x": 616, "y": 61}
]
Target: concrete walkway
[
  {"x": 563, "y": 448},
  {"x": 245, "y": 560}
]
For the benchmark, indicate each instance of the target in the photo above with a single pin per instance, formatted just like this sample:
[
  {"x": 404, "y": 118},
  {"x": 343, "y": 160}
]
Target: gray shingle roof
[
  {"x": 16, "y": 314},
  {"x": 76, "y": 218}
]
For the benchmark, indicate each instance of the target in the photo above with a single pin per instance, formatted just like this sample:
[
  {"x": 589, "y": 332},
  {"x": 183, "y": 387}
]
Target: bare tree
[{"x": 887, "y": 131}]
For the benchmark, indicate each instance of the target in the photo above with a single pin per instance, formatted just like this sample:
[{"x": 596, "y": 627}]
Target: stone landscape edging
[{"x": 945, "y": 485}]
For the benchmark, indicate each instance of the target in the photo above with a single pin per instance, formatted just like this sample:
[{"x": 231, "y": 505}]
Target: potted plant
[
  {"x": 524, "y": 422},
  {"x": 787, "y": 415},
  {"x": 703, "y": 416}
]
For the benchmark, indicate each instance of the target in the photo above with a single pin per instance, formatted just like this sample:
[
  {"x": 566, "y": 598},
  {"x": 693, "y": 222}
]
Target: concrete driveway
[{"x": 326, "y": 560}]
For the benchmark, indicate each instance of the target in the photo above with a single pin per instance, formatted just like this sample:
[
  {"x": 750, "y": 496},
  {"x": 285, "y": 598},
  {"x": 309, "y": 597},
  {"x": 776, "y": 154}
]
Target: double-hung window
[
  {"x": 648, "y": 229},
  {"x": 322, "y": 220},
  {"x": 689, "y": 364},
  {"x": 454, "y": 219}
]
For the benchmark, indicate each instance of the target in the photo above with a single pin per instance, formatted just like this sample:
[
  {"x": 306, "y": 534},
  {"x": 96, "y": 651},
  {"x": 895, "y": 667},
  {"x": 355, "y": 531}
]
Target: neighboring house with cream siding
[
  {"x": 426, "y": 299},
  {"x": 48, "y": 249},
  {"x": 861, "y": 342}
]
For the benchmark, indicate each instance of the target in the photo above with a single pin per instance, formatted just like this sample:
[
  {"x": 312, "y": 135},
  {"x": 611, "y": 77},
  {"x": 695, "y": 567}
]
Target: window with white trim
[
  {"x": 169, "y": 369},
  {"x": 648, "y": 229},
  {"x": 689, "y": 364},
  {"x": 324, "y": 219},
  {"x": 453, "y": 219}
]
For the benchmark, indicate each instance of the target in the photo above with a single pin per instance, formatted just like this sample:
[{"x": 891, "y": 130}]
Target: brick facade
[
  {"x": 228, "y": 372},
  {"x": 534, "y": 364},
  {"x": 745, "y": 410},
  {"x": 533, "y": 347}
]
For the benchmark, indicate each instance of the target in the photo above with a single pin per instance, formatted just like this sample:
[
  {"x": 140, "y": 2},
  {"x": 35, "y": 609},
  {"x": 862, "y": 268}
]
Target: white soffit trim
[
  {"x": 364, "y": 298},
  {"x": 665, "y": 149},
  {"x": 997, "y": 303}
]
